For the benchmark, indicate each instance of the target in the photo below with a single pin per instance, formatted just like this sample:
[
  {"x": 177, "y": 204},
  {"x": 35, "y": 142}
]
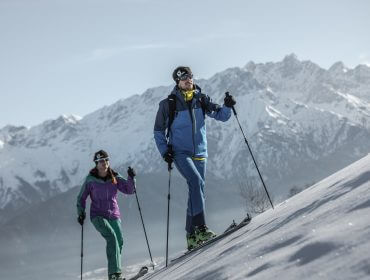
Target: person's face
[
  {"x": 102, "y": 166},
  {"x": 186, "y": 83}
]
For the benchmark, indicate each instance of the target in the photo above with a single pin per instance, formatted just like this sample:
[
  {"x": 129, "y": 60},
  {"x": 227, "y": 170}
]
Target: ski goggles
[
  {"x": 185, "y": 77},
  {"x": 102, "y": 159}
]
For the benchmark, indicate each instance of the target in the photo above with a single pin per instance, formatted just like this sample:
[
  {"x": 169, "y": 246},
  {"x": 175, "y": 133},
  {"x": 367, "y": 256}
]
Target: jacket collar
[
  {"x": 176, "y": 90},
  {"x": 94, "y": 172}
]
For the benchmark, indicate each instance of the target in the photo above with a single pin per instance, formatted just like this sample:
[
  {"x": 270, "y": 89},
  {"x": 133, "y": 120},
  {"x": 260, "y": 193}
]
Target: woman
[{"x": 103, "y": 184}]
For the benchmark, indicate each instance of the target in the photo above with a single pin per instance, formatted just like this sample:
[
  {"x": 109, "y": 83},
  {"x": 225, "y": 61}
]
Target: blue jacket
[{"x": 188, "y": 130}]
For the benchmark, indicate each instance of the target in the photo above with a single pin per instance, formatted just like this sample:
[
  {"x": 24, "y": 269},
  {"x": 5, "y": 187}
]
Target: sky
[{"x": 73, "y": 57}]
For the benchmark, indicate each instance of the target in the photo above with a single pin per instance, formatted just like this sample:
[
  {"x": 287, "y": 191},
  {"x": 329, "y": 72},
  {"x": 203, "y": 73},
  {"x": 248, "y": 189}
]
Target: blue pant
[{"x": 193, "y": 171}]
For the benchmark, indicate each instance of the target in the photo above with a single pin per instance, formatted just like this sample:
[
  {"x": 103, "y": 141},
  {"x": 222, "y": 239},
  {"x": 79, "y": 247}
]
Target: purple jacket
[{"x": 103, "y": 194}]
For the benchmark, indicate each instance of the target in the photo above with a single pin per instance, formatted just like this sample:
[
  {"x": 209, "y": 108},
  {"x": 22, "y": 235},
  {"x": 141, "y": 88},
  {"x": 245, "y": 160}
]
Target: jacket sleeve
[
  {"x": 215, "y": 111},
  {"x": 160, "y": 127},
  {"x": 126, "y": 186},
  {"x": 81, "y": 198}
]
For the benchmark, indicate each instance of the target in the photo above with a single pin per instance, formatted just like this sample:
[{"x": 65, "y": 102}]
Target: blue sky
[{"x": 75, "y": 56}]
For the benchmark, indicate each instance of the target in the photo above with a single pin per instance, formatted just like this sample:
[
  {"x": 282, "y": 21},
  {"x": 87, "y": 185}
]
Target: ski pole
[
  {"x": 142, "y": 221},
  {"x": 82, "y": 247},
  {"x": 168, "y": 204},
  {"x": 250, "y": 151}
]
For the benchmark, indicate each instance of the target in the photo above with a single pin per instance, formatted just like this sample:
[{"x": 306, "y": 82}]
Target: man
[{"x": 185, "y": 143}]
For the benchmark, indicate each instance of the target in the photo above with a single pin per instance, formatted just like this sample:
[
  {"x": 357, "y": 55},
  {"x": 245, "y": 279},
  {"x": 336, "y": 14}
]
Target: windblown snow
[{"x": 320, "y": 233}]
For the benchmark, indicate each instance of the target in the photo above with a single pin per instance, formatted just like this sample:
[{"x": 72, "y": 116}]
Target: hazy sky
[{"x": 74, "y": 56}]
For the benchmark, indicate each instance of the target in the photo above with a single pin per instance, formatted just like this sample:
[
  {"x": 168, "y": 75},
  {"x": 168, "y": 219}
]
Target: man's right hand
[
  {"x": 81, "y": 218},
  {"x": 168, "y": 156}
]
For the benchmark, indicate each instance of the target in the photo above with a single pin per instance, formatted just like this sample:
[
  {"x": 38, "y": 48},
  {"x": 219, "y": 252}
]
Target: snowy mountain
[
  {"x": 321, "y": 233},
  {"x": 302, "y": 121}
]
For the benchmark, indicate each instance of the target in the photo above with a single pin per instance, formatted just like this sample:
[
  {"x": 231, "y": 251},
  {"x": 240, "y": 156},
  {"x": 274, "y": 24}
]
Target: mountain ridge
[{"x": 295, "y": 114}]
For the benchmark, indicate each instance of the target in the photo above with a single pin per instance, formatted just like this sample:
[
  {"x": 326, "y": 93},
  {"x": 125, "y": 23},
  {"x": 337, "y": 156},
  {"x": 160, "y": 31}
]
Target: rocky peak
[
  {"x": 338, "y": 68},
  {"x": 291, "y": 59}
]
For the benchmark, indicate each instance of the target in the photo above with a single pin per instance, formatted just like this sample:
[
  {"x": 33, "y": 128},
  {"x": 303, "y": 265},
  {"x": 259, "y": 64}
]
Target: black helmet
[{"x": 181, "y": 71}]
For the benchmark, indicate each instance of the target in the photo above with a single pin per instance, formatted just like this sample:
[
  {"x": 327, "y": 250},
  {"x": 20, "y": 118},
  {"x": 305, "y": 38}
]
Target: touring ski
[
  {"x": 141, "y": 273},
  {"x": 232, "y": 228}
]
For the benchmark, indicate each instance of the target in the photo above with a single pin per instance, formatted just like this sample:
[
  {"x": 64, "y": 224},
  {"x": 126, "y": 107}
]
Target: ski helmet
[
  {"x": 181, "y": 71},
  {"x": 100, "y": 155}
]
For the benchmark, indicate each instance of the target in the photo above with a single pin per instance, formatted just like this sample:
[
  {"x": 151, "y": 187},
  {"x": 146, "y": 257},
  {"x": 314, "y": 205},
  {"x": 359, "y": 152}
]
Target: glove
[
  {"x": 229, "y": 101},
  {"x": 168, "y": 156},
  {"x": 131, "y": 172},
  {"x": 81, "y": 218}
]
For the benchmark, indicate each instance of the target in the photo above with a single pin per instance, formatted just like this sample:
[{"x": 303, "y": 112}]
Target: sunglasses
[{"x": 185, "y": 77}]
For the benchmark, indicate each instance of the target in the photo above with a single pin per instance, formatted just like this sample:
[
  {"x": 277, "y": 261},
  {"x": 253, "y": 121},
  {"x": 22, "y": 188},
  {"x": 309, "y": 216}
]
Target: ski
[
  {"x": 232, "y": 228},
  {"x": 141, "y": 273}
]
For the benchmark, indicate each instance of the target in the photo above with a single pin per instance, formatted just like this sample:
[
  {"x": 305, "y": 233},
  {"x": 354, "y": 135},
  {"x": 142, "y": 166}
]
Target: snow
[
  {"x": 320, "y": 233},
  {"x": 355, "y": 101},
  {"x": 72, "y": 119},
  {"x": 274, "y": 113}
]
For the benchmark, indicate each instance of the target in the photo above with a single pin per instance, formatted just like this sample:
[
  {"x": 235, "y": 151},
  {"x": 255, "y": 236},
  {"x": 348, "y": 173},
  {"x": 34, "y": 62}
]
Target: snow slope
[{"x": 321, "y": 233}]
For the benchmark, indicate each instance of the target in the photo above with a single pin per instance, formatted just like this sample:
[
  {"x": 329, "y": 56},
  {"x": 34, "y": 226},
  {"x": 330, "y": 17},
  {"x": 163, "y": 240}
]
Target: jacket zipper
[
  {"x": 108, "y": 203},
  {"x": 192, "y": 117}
]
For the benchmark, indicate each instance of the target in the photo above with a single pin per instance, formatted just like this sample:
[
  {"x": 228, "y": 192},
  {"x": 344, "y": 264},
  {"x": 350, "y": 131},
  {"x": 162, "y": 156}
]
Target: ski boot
[
  {"x": 116, "y": 276},
  {"x": 204, "y": 234},
  {"x": 192, "y": 240}
]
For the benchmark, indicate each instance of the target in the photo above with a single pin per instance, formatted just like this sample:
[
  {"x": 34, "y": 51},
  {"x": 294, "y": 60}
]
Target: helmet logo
[
  {"x": 100, "y": 157},
  {"x": 179, "y": 73}
]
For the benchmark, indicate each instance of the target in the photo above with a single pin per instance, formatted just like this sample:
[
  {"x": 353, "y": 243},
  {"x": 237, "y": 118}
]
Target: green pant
[{"x": 111, "y": 231}]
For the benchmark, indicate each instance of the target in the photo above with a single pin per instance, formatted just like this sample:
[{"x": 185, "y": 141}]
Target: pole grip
[{"x": 228, "y": 94}]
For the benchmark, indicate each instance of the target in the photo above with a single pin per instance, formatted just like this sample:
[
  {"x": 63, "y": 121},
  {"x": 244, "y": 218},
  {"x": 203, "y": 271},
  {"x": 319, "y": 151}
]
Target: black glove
[
  {"x": 229, "y": 101},
  {"x": 81, "y": 218},
  {"x": 131, "y": 172},
  {"x": 168, "y": 156}
]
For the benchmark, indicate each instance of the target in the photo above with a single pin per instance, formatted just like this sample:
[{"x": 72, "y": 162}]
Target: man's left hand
[{"x": 229, "y": 101}]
